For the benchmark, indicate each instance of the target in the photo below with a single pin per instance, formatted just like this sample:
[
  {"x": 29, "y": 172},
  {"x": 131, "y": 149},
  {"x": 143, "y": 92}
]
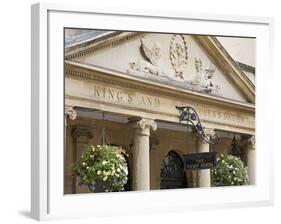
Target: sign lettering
[{"x": 205, "y": 160}]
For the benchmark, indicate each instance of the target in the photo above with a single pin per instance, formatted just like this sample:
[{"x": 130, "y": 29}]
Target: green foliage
[
  {"x": 102, "y": 167},
  {"x": 230, "y": 171}
]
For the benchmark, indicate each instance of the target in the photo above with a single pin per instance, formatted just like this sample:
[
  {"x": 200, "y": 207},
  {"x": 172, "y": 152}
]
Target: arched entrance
[{"x": 172, "y": 173}]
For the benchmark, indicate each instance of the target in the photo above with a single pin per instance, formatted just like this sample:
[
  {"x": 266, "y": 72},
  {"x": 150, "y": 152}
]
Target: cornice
[
  {"x": 246, "y": 67},
  {"x": 89, "y": 72},
  {"x": 90, "y": 47}
]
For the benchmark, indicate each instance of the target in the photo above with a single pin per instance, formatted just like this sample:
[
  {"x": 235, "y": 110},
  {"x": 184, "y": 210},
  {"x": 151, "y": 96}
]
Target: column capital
[
  {"x": 70, "y": 112},
  {"x": 209, "y": 132},
  {"x": 251, "y": 142},
  {"x": 145, "y": 123}
]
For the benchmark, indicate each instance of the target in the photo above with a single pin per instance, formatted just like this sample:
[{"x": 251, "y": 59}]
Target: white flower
[
  {"x": 104, "y": 162},
  {"x": 118, "y": 170},
  {"x": 105, "y": 178},
  {"x": 99, "y": 172},
  {"x": 83, "y": 164},
  {"x": 126, "y": 171}
]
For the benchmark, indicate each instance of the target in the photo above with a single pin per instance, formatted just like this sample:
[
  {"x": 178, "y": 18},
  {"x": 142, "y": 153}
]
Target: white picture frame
[{"x": 48, "y": 201}]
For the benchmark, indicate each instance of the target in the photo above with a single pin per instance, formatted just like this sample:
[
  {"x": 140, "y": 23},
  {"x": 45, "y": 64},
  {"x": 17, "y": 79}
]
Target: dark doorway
[{"x": 172, "y": 172}]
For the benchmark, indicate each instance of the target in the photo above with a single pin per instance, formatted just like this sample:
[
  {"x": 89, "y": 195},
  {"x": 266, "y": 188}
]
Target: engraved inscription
[
  {"x": 219, "y": 115},
  {"x": 123, "y": 97}
]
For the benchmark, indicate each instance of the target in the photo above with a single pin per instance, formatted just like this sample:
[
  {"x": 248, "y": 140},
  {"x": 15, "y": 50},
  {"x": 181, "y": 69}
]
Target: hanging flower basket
[
  {"x": 102, "y": 168},
  {"x": 230, "y": 171}
]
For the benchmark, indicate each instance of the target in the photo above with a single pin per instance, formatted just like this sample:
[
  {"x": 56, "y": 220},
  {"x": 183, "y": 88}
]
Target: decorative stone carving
[
  {"x": 70, "y": 112},
  {"x": 152, "y": 54},
  {"x": 144, "y": 123},
  {"x": 203, "y": 77},
  {"x": 210, "y": 133},
  {"x": 252, "y": 141},
  {"x": 178, "y": 54},
  {"x": 143, "y": 67}
]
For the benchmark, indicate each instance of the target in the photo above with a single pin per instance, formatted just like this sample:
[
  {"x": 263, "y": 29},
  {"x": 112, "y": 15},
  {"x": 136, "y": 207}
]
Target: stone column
[
  {"x": 141, "y": 172},
  {"x": 204, "y": 175},
  {"x": 251, "y": 159},
  {"x": 69, "y": 179},
  {"x": 69, "y": 113}
]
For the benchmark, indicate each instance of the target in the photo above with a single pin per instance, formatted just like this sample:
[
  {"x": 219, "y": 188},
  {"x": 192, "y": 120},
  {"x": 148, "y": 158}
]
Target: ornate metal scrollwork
[{"x": 189, "y": 115}]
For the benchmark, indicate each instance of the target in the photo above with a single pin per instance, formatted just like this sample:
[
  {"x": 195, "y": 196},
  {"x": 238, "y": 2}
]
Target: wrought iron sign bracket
[{"x": 189, "y": 115}]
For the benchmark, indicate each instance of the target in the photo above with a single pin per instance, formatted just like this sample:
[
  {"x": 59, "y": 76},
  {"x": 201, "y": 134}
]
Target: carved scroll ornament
[{"x": 189, "y": 115}]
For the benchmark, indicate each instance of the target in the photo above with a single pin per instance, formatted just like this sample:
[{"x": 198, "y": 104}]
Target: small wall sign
[{"x": 205, "y": 160}]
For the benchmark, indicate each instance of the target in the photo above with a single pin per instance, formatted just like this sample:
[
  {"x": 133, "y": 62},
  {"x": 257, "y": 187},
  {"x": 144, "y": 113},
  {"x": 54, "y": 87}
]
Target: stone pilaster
[
  {"x": 81, "y": 136},
  {"x": 141, "y": 170},
  {"x": 251, "y": 159},
  {"x": 204, "y": 175},
  {"x": 69, "y": 114}
]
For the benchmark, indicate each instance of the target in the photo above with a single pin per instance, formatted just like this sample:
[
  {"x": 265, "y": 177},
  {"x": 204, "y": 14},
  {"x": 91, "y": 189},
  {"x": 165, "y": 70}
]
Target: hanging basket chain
[{"x": 103, "y": 138}]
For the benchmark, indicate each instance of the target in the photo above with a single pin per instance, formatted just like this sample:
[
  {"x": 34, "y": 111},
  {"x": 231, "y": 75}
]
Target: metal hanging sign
[{"x": 205, "y": 160}]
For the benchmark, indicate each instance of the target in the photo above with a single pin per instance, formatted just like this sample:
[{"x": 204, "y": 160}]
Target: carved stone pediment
[{"x": 171, "y": 59}]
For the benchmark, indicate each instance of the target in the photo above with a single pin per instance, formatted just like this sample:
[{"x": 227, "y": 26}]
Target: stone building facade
[{"x": 128, "y": 84}]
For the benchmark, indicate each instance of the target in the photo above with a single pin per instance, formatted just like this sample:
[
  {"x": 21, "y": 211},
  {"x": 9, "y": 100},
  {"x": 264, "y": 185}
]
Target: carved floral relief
[{"x": 178, "y": 54}]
